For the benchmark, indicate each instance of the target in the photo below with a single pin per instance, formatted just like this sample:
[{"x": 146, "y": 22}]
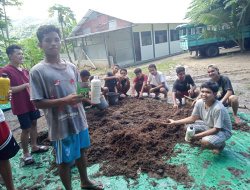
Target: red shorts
[{"x": 184, "y": 93}]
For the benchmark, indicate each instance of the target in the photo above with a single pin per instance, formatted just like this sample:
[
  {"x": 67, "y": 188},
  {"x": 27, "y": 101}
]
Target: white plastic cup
[{"x": 183, "y": 101}]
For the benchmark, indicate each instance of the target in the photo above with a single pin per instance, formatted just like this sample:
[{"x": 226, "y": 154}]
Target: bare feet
[{"x": 219, "y": 150}]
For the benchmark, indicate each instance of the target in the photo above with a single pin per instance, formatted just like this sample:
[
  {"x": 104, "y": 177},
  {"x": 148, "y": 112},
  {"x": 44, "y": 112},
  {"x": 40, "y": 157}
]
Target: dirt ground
[
  {"x": 230, "y": 62},
  {"x": 132, "y": 139},
  {"x": 112, "y": 141}
]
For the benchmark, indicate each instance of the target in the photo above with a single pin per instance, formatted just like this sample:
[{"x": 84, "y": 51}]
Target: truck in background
[{"x": 192, "y": 39}]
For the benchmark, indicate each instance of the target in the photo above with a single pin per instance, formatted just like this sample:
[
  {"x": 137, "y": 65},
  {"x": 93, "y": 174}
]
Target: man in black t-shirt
[
  {"x": 181, "y": 86},
  {"x": 111, "y": 79},
  {"x": 225, "y": 93}
]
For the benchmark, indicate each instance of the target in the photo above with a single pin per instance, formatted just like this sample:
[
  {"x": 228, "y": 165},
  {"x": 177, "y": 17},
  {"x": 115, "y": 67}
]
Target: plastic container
[
  {"x": 189, "y": 133},
  {"x": 183, "y": 101},
  {"x": 96, "y": 90},
  {"x": 4, "y": 88},
  {"x": 103, "y": 104},
  {"x": 113, "y": 98}
]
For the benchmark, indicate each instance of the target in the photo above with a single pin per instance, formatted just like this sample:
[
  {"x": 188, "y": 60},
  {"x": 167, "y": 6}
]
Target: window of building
[
  {"x": 198, "y": 30},
  {"x": 146, "y": 38},
  {"x": 174, "y": 34},
  {"x": 161, "y": 36}
]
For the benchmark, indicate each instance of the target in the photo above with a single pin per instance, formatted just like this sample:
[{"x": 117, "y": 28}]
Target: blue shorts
[
  {"x": 24, "y": 119},
  {"x": 158, "y": 90},
  {"x": 69, "y": 149}
]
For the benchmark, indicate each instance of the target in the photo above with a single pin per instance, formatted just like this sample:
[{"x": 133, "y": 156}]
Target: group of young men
[{"x": 51, "y": 86}]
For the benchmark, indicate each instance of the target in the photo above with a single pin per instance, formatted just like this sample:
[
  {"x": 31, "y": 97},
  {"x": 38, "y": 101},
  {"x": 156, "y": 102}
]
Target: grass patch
[
  {"x": 248, "y": 86},
  {"x": 164, "y": 67}
]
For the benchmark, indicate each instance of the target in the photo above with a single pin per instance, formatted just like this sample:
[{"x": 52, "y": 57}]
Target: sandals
[
  {"x": 93, "y": 186},
  {"x": 40, "y": 150},
  {"x": 28, "y": 160}
]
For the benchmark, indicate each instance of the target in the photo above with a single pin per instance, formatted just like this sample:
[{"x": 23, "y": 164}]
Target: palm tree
[{"x": 65, "y": 15}]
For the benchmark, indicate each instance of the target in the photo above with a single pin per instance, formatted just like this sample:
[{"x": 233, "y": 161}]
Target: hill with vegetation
[{"x": 26, "y": 28}]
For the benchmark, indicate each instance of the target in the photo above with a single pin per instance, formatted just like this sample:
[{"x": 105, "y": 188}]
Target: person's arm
[
  {"x": 207, "y": 133},
  {"x": 190, "y": 119},
  {"x": 174, "y": 100},
  {"x": 106, "y": 77},
  {"x": 157, "y": 87},
  {"x": 227, "y": 95},
  {"x": 71, "y": 99},
  {"x": 19, "y": 88}
]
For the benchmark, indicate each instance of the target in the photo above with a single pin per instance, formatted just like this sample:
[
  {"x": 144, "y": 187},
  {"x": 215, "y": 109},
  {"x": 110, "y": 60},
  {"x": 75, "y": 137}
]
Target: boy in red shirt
[
  {"x": 21, "y": 105},
  {"x": 138, "y": 83}
]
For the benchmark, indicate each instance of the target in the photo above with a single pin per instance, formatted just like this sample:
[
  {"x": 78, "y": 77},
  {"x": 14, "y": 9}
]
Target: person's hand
[
  {"x": 175, "y": 106},
  {"x": 170, "y": 122},
  {"x": 27, "y": 85},
  {"x": 132, "y": 95},
  {"x": 141, "y": 95},
  {"x": 194, "y": 102},
  {"x": 9, "y": 96},
  {"x": 193, "y": 139},
  {"x": 190, "y": 92},
  {"x": 73, "y": 99},
  {"x": 151, "y": 90}
]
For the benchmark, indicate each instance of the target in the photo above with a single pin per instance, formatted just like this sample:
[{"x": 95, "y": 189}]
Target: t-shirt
[
  {"x": 158, "y": 79},
  {"x": 224, "y": 85},
  {"x": 20, "y": 102},
  {"x": 183, "y": 86},
  {"x": 140, "y": 81},
  {"x": 214, "y": 116},
  {"x": 5, "y": 132},
  {"x": 48, "y": 82},
  {"x": 111, "y": 83}
]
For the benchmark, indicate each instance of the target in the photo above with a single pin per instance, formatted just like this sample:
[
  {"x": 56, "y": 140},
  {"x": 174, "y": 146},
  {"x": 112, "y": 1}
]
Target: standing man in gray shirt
[
  {"x": 53, "y": 89},
  {"x": 215, "y": 127}
]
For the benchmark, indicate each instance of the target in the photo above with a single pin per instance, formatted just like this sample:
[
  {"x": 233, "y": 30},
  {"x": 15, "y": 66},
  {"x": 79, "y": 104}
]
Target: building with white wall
[{"x": 103, "y": 40}]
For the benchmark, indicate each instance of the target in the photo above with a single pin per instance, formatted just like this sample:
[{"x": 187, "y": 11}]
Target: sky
[{"x": 136, "y": 11}]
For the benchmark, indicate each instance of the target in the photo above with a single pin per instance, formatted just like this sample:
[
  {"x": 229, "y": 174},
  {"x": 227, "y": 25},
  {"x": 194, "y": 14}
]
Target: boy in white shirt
[{"x": 157, "y": 83}]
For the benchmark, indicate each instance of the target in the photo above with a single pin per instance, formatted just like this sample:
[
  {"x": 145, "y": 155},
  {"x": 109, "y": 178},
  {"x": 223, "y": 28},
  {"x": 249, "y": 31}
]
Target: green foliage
[
  {"x": 26, "y": 28},
  {"x": 65, "y": 16},
  {"x": 32, "y": 53},
  {"x": 5, "y": 22}
]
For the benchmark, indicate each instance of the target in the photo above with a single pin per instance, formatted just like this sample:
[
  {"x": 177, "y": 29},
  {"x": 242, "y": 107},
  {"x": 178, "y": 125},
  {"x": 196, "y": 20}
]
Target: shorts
[
  {"x": 9, "y": 148},
  {"x": 69, "y": 149},
  {"x": 183, "y": 93},
  {"x": 221, "y": 136},
  {"x": 158, "y": 90},
  {"x": 24, "y": 119}
]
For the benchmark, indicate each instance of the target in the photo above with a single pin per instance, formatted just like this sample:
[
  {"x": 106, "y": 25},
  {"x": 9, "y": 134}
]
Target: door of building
[{"x": 137, "y": 45}]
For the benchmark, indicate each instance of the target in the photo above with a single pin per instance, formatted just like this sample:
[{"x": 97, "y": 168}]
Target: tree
[
  {"x": 65, "y": 15},
  {"x": 5, "y": 3},
  {"x": 31, "y": 51},
  {"x": 228, "y": 17}
]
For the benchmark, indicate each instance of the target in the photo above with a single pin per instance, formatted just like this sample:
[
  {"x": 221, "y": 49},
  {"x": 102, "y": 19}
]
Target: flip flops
[
  {"x": 40, "y": 150},
  {"x": 93, "y": 186},
  {"x": 28, "y": 160},
  {"x": 237, "y": 120}
]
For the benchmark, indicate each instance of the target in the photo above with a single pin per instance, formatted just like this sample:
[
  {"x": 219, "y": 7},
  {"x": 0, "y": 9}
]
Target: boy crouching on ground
[
  {"x": 181, "y": 86},
  {"x": 157, "y": 83},
  {"x": 215, "y": 127},
  {"x": 139, "y": 82}
]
